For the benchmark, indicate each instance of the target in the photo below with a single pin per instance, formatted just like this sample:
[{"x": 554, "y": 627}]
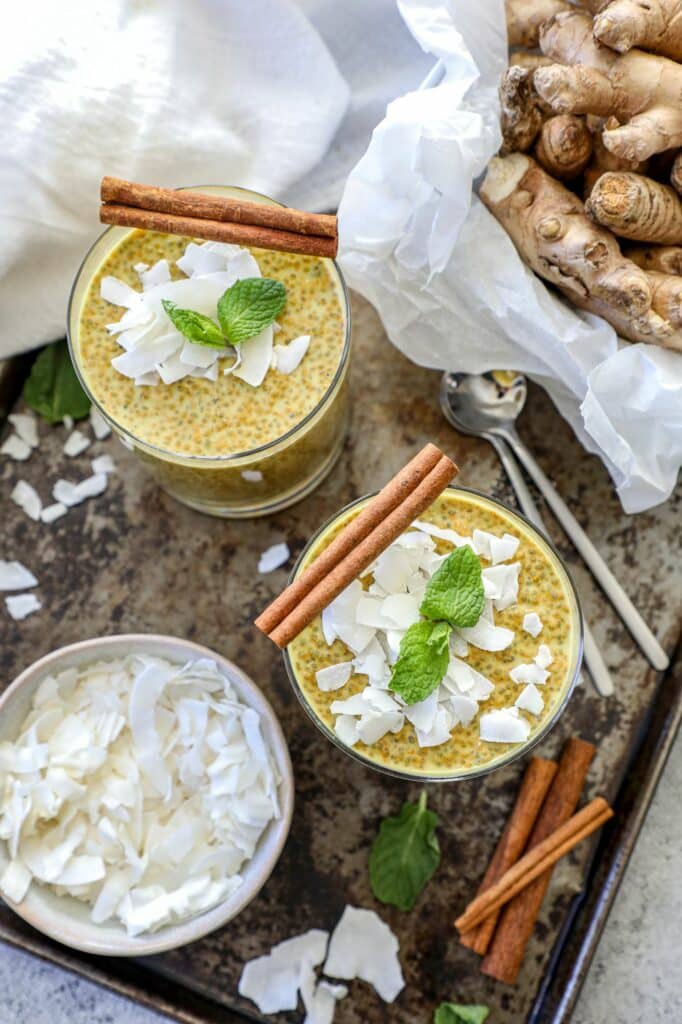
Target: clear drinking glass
[
  {"x": 291, "y": 466},
  {"x": 520, "y": 749}
]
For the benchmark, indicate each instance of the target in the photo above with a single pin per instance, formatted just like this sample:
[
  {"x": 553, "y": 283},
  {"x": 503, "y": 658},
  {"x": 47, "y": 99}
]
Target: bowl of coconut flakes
[{"x": 146, "y": 793}]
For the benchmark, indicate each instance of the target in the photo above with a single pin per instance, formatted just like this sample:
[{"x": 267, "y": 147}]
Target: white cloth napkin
[
  {"x": 212, "y": 91},
  {"x": 452, "y": 291}
]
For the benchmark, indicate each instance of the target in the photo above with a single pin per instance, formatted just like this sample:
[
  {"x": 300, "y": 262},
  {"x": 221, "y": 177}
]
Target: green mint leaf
[
  {"x": 198, "y": 328},
  {"x": 249, "y": 306},
  {"x": 455, "y": 1013},
  {"x": 455, "y": 591},
  {"x": 422, "y": 661},
  {"x": 53, "y": 389},
  {"x": 404, "y": 855}
]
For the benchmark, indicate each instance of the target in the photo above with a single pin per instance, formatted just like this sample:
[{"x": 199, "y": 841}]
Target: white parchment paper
[{"x": 449, "y": 286}]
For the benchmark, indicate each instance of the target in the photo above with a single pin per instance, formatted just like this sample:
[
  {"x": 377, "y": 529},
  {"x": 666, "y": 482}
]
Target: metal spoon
[{"x": 486, "y": 405}]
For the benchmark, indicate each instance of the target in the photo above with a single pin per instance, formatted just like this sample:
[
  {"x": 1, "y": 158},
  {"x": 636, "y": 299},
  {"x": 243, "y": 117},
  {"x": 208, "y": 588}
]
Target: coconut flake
[
  {"x": 363, "y": 946},
  {"x": 16, "y": 448},
  {"x": 532, "y": 673},
  {"x": 487, "y": 637},
  {"x": 273, "y": 557},
  {"x": 21, "y": 605},
  {"x": 333, "y": 677},
  {"x": 346, "y": 728},
  {"x": 494, "y": 549},
  {"x": 530, "y": 699},
  {"x": 70, "y": 494},
  {"x": 52, "y": 512},
  {"x": 501, "y": 584},
  {"x": 273, "y": 981},
  {"x": 100, "y": 427},
  {"x": 252, "y": 476},
  {"x": 103, "y": 464},
  {"x": 439, "y": 732},
  {"x": 504, "y": 725},
  {"x": 532, "y": 623},
  {"x": 320, "y": 1001},
  {"x": 287, "y": 358},
  {"x": 26, "y": 497},
  {"x": 256, "y": 356},
  {"x": 544, "y": 656},
  {"x": 465, "y": 708},
  {"x": 76, "y": 443},
  {"x": 15, "y": 576},
  {"x": 26, "y": 426},
  {"x": 15, "y": 881}
]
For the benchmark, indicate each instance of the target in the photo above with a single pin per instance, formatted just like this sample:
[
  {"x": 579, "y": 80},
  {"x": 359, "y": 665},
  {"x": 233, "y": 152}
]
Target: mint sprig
[
  {"x": 244, "y": 310},
  {"x": 404, "y": 855},
  {"x": 422, "y": 661},
  {"x": 455, "y": 591},
  {"x": 454, "y": 597},
  {"x": 458, "y": 1013},
  {"x": 53, "y": 389}
]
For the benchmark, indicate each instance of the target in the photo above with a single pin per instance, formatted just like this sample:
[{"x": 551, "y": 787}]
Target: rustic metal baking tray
[{"x": 134, "y": 560}]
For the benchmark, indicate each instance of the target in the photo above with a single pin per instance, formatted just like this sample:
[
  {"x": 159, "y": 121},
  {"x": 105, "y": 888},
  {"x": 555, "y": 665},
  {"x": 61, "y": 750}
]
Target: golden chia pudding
[
  {"x": 484, "y": 692},
  {"x": 233, "y": 392}
]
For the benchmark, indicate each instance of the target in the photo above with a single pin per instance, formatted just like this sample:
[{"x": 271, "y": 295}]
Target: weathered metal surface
[{"x": 133, "y": 560}]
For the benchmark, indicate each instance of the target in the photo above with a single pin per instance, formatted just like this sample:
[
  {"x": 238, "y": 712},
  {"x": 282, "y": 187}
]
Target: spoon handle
[
  {"x": 596, "y": 666},
  {"x": 645, "y": 639}
]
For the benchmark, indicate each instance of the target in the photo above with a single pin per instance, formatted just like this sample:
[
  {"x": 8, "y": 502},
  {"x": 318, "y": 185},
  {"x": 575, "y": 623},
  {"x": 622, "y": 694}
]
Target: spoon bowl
[{"x": 482, "y": 403}]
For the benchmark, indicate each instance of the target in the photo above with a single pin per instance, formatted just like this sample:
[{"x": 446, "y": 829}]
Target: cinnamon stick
[
  {"x": 536, "y": 782},
  {"x": 218, "y": 231},
  {"x": 384, "y": 529},
  {"x": 536, "y": 862},
  {"x": 395, "y": 491},
  {"x": 210, "y": 206},
  {"x": 517, "y": 921}
]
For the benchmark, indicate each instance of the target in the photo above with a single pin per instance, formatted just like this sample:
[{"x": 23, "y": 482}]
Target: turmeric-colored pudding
[
  {"x": 230, "y": 422},
  {"x": 485, "y": 692}
]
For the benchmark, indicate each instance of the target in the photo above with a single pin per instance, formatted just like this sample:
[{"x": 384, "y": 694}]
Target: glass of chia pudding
[
  {"x": 504, "y": 681},
  {"x": 234, "y": 431}
]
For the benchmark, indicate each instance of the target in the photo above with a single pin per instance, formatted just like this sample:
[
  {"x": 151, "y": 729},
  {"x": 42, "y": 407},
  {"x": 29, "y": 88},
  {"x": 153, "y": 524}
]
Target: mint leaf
[
  {"x": 404, "y": 855},
  {"x": 455, "y": 1013},
  {"x": 422, "y": 661},
  {"x": 249, "y": 306},
  {"x": 198, "y": 328},
  {"x": 455, "y": 591},
  {"x": 53, "y": 389}
]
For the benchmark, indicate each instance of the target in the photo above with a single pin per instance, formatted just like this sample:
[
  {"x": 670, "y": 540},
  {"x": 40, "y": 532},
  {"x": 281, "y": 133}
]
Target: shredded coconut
[
  {"x": 273, "y": 557},
  {"x": 26, "y": 497},
  {"x": 15, "y": 576},
  {"x": 16, "y": 448},
  {"x": 76, "y": 443},
  {"x": 22, "y": 605}
]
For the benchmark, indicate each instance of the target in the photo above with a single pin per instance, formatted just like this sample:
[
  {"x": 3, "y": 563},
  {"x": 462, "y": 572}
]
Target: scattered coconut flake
[
  {"x": 253, "y": 476},
  {"x": 15, "y": 881},
  {"x": 158, "y": 274},
  {"x": 103, "y": 464},
  {"x": 532, "y": 673},
  {"x": 501, "y": 584},
  {"x": 443, "y": 534},
  {"x": 21, "y": 605},
  {"x": 70, "y": 494},
  {"x": 26, "y": 497},
  {"x": 15, "y": 576},
  {"x": 465, "y": 708},
  {"x": 532, "y": 623},
  {"x": 76, "y": 443},
  {"x": 273, "y": 557},
  {"x": 52, "y": 512},
  {"x": 494, "y": 549},
  {"x": 26, "y": 427},
  {"x": 486, "y": 636},
  {"x": 530, "y": 699},
  {"x": 363, "y": 946},
  {"x": 320, "y": 1001},
  {"x": 96, "y": 825},
  {"x": 339, "y": 619},
  {"x": 273, "y": 981},
  {"x": 544, "y": 656},
  {"x": 440, "y": 730},
  {"x": 333, "y": 677},
  {"x": 67, "y": 421},
  {"x": 100, "y": 427},
  {"x": 346, "y": 728},
  {"x": 16, "y": 448},
  {"x": 287, "y": 358},
  {"x": 256, "y": 358},
  {"x": 504, "y": 725}
]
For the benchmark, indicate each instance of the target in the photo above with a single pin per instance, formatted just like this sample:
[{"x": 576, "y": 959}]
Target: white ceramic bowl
[{"x": 66, "y": 919}]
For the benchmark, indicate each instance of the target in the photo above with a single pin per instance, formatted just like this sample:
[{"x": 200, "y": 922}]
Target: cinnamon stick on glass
[
  {"x": 536, "y": 782},
  {"x": 517, "y": 920}
]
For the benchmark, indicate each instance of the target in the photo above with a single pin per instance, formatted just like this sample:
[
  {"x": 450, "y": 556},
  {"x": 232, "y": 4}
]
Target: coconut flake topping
[{"x": 138, "y": 786}]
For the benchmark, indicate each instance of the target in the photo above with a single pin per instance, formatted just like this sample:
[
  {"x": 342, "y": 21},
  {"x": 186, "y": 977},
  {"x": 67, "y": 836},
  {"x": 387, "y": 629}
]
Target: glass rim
[
  {"x": 503, "y": 760},
  {"x": 233, "y": 457}
]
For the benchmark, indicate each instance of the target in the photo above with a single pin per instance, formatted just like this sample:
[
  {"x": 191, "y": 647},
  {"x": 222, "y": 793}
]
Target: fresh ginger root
[
  {"x": 530, "y": 61},
  {"x": 520, "y": 108},
  {"x": 676, "y": 174},
  {"x": 603, "y": 160},
  {"x": 564, "y": 147},
  {"x": 667, "y": 259},
  {"x": 639, "y": 88},
  {"x": 666, "y": 296},
  {"x": 552, "y": 234},
  {"x": 524, "y": 18},
  {"x": 652, "y": 25},
  {"x": 636, "y": 207}
]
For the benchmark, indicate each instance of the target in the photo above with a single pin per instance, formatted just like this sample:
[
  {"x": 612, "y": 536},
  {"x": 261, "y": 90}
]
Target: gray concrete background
[{"x": 635, "y": 978}]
